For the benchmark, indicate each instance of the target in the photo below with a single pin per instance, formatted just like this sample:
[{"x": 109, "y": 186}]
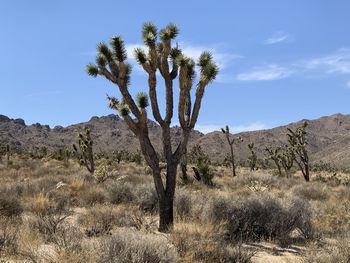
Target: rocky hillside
[{"x": 329, "y": 137}]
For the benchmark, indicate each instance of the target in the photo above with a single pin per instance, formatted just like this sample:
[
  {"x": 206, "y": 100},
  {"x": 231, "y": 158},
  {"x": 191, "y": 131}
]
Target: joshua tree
[
  {"x": 253, "y": 158},
  {"x": 169, "y": 61},
  {"x": 286, "y": 157},
  {"x": 298, "y": 142},
  {"x": 274, "y": 155},
  {"x": 230, "y": 142},
  {"x": 85, "y": 153},
  {"x": 201, "y": 168}
]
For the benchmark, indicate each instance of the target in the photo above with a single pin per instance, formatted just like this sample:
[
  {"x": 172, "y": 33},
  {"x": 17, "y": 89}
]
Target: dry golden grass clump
[{"x": 56, "y": 212}]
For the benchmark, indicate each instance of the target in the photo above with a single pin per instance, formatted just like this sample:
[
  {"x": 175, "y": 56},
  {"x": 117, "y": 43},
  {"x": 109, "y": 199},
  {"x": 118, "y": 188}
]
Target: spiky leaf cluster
[
  {"x": 208, "y": 68},
  {"x": 140, "y": 56},
  {"x": 113, "y": 102},
  {"x": 175, "y": 53},
  {"x": 149, "y": 34},
  {"x": 142, "y": 100},
  {"x": 123, "y": 109},
  {"x": 226, "y": 130},
  {"x": 103, "y": 49},
  {"x": 92, "y": 70},
  {"x": 119, "y": 50},
  {"x": 170, "y": 32}
]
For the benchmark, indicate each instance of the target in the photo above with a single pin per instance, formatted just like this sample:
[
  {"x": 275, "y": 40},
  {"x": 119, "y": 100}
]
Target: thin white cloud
[
  {"x": 206, "y": 128},
  {"x": 277, "y": 37},
  {"x": 336, "y": 62},
  {"x": 270, "y": 72},
  {"x": 222, "y": 58}
]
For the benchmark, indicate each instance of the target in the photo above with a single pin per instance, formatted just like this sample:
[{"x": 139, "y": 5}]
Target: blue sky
[{"x": 280, "y": 61}]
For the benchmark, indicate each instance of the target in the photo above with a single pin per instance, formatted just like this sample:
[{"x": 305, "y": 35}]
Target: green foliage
[
  {"x": 205, "y": 59},
  {"x": 123, "y": 110},
  {"x": 101, "y": 61},
  {"x": 170, "y": 32},
  {"x": 142, "y": 100},
  {"x": 92, "y": 70},
  {"x": 175, "y": 53},
  {"x": 140, "y": 56},
  {"x": 149, "y": 34},
  {"x": 119, "y": 50},
  {"x": 103, "y": 50}
]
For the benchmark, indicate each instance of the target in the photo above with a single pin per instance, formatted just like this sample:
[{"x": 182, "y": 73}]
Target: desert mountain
[{"x": 329, "y": 137}]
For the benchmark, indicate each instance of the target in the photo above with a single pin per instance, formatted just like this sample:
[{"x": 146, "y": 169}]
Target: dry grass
[{"x": 52, "y": 212}]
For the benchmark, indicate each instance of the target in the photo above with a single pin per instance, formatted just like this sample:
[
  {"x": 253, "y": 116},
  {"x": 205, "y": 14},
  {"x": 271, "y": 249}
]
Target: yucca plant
[
  {"x": 231, "y": 141},
  {"x": 163, "y": 57}
]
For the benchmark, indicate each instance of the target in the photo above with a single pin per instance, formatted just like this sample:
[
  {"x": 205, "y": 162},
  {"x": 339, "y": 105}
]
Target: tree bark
[
  {"x": 166, "y": 214},
  {"x": 233, "y": 161},
  {"x": 166, "y": 201}
]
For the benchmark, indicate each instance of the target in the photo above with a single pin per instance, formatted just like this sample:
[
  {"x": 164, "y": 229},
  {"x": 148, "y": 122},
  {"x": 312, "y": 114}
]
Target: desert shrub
[
  {"x": 336, "y": 252},
  {"x": 121, "y": 192},
  {"x": 262, "y": 217},
  {"x": 218, "y": 209},
  {"x": 99, "y": 220},
  {"x": 333, "y": 218},
  {"x": 92, "y": 195},
  {"x": 128, "y": 246},
  {"x": 9, "y": 233},
  {"x": 313, "y": 191},
  {"x": 204, "y": 242},
  {"x": 218, "y": 253},
  {"x": 183, "y": 204},
  {"x": 10, "y": 205},
  {"x": 61, "y": 198},
  {"x": 47, "y": 215},
  {"x": 68, "y": 238},
  {"x": 146, "y": 197}
]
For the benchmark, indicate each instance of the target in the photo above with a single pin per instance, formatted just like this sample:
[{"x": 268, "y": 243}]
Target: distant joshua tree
[
  {"x": 253, "y": 158},
  {"x": 287, "y": 157},
  {"x": 274, "y": 155},
  {"x": 298, "y": 142},
  {"x": 161, "y": 56},
  {"x": 231, "y": 142},
  {"x": 85, "y": 153}
]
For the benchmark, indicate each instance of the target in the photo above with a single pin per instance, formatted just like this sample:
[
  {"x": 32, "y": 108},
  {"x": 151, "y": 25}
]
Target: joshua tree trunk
[
  {"x": 170, "y": 63},
  {"x": 305, "y": 170},
  {"x": 183, "y": 165},
  {"x": 233, "y": 161}
]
